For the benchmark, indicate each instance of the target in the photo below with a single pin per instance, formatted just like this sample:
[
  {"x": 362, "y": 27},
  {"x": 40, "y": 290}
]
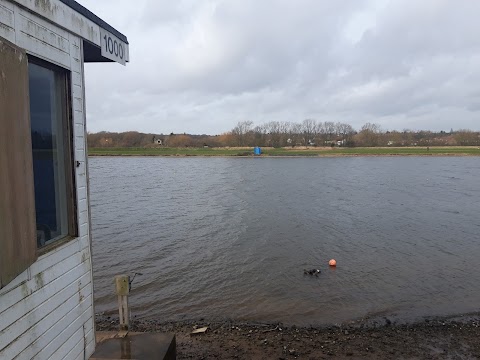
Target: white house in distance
[{"x": 46, "y": 287}]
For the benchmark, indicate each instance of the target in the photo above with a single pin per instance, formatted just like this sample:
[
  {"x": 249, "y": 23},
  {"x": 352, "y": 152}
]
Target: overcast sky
[{"x": 201, "y": 66}]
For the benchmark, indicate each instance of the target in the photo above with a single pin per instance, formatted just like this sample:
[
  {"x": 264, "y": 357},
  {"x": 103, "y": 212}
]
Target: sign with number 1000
[{"x": 113, "y": 48}]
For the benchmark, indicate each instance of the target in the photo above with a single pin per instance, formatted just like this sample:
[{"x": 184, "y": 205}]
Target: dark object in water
[{"x": 311, "y": 272}]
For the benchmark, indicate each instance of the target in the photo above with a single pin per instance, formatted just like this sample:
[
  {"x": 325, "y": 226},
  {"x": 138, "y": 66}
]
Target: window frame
[{"x": 69, "y": 154}]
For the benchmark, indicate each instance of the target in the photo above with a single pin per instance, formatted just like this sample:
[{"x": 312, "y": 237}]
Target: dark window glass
[{"x": 50, "y": 151}]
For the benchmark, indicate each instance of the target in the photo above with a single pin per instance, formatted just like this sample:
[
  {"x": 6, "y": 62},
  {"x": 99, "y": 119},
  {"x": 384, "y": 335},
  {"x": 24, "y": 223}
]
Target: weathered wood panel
[
  {"x": 85, "y": 244},
  {"x": 60, "y": 257},
  {"x": 17, "y": 199},
  {"x": 81, "y": 349},
  {"x": 77, "y": 79},
  {"x": 72, "y": 338},
  {"x": 79, "y": 131},
  {"x": 83, "y": 216},
  {"x": 42, "y": 39},
  {"x": 83, "y": 230},
  {"x": 51, "y": 293},
  {"x": 64, "y": 16},
  {"x": 15, "y": 283},
  {"x": 7, "y": 21},
  {"x": 79, "y": 142},
  {"x": 81, "y": 194},
  {"x": 77, "y": 95},
  {"x": 73, "y": 344},
  {"x": 55, "y": 336},
  {"x": 58, "y": 319},
  {"x": 82, "y": 205},
  {"x": 90, "y": 348}
]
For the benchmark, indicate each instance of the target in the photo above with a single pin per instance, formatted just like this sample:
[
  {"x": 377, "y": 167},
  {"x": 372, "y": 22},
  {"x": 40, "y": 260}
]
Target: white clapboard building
[{"x": 46, "y": 287}]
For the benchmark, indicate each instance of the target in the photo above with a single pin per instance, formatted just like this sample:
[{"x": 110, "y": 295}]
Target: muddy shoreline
[{"x": 453, "y": 337}]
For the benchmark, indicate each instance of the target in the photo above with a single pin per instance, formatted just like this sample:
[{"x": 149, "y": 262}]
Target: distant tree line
[{"x": 291, "y": 134}]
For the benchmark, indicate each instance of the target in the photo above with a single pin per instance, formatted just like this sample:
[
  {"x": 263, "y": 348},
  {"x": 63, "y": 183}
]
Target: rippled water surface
[{"x": 229, "y": 237}]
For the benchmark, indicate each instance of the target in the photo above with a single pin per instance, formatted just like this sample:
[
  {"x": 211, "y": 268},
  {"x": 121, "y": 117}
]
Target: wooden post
[{"x": 123, "y": 290}]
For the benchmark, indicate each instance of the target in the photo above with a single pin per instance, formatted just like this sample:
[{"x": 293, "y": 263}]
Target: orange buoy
[{"x": 332, "y": 262}]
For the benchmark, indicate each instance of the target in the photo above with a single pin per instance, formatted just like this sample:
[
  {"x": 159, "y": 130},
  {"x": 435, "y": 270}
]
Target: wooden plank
[
  {"x": 66, "y": 17},
  {"x": 86, "y": 350},
  {"x": 74, "y": 50},
  {"x": 82, "y": 194},
  {"x": 42, "y": 50},
  {"x": 76, "y": 78},
  {"x": 64, "y": 351},
  {"x": 84, "y": 321},
  {"x": 55, "y": 256},
  {"x": 81, "y": 177},
  {"x": 43, "y": 285},
  {"x": 77, "y": 103},
  {"x": 79, "y": 131},
  {"x": 75, "y": 343},
  {"x": 81, "y": 171},
  {"x": 49, "y": 331},
  {"x": 81, "y": 182},
  {"x": 75, "y": 292},
  {"x": 90, "y": 349},
  {"x": 85, "y": 246},
  {"x": 83, "y": 217},
  {"x": 24, "y": 348},
  {"x": 50, "y": 259},
  {"x": 80, "y": 156},
  {"x": 42, "y": 31},
  {"x": 201, "y": 330},
  {"x": 83, "y": 230},
  {"x": 77, "y": 93},
  {"x": 7, "y": 16},
  {"x": 78, "y": 116},
  {"x": 18, "y": 281},
  {"x": 105, "y": 335},
  {"x": 82, "y": 205},
  {"x": 7, "y": 33},
  {"x": 76, "y": 65},
  {"x": 7, "y": 22},
  {"x": 63, "y": 330},
  {"x": 42, "y": 39},
  {"x": 18, "y": 241},
  {"x": 79, "y": 142},
  {"x": 7, "y": 4}
]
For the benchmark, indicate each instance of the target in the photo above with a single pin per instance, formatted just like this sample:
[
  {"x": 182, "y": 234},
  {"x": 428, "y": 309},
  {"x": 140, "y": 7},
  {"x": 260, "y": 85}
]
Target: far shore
[{"x": 289, "y": 152}]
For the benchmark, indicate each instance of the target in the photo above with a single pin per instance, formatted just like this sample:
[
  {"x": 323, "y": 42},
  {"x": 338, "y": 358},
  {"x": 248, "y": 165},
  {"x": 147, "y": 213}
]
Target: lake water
[{"x": 223, "y": 238}]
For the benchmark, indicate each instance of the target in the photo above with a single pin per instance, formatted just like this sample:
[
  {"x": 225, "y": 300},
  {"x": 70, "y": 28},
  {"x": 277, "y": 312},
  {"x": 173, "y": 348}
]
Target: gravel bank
[{"x": 433, "y": 338}]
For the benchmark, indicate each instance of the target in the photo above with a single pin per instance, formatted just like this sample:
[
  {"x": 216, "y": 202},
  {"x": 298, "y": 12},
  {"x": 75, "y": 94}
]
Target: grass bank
[{"x": 379, "y": 151}]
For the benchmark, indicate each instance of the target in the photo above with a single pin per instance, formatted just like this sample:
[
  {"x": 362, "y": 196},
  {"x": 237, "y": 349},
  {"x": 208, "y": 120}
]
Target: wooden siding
[
  {"x": 65, "y": 17},
  {"x": 7, "y": 22},
  {"x": 47, "y": 311},
  {"x": 17, "y": 197}
]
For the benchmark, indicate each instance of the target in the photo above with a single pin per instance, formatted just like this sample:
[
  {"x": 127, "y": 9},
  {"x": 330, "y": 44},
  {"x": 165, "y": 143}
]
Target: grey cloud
[{"x": 201, "y": 66}]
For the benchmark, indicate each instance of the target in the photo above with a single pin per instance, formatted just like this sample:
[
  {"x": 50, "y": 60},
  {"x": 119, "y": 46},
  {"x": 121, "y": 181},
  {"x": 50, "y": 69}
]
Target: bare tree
[
  {"x": 309, "y": 127},
  {"x": 369, "y": 134},
  {"x": 295, "y": 134},
  {"x": 241, "y": 130},
  {"x": 273, "y": 128},
  {"x": 346, "y": 132},
  {"x": 466, "y": 137},
  {"x": 260, "y": 135}
]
